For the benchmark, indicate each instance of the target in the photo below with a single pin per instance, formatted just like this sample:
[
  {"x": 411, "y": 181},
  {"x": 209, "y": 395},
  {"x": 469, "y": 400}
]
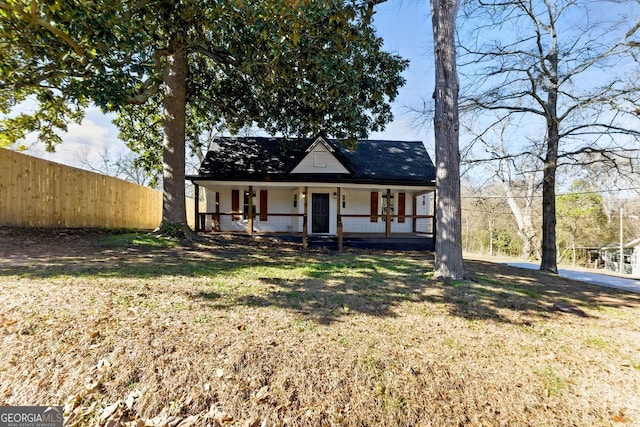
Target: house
[
  {"x": 316, "y": 187},
  {"x": 631, "y": 261}
]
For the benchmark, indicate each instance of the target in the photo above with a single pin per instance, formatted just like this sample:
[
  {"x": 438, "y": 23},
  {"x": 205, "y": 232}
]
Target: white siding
[
  {"x": 280, "y": 200},
  {"x": 424, "y": 207},
  {"x": 320, "y": 160},
  {"x": 210, "y": 198},
  {"x": 359, "y": 202},
  {"x": 226, "y": 222}
]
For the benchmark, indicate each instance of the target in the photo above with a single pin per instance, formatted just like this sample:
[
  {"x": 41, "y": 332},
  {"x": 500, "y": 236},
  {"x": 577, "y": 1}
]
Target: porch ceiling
[{"x": 295, "y": 185}]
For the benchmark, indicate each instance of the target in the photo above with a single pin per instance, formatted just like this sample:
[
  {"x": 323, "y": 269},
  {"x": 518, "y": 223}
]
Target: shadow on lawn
[
  {"x": 336, "y": 286},
  {"x": 326, "y": 285},
  {"x": 497, "y": 292}
]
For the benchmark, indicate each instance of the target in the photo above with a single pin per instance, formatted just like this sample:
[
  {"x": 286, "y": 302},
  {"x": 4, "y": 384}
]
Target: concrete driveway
[{"x": 629, "y": 285}]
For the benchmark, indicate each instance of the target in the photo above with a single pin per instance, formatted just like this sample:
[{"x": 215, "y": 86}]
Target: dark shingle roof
[{"x": 258, "y": 159}]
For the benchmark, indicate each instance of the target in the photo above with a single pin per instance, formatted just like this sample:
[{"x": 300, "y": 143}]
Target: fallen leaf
[
  {"x": 132, "y": 397},
  {"x": 173, "y": 421},
  {"x": 92, "y": 386},
  {"x": 618, "y": 419},
  {"x": 262, "y": 394},
  {"x": 242, "y": 328},
  {"x": 9, "y": 322},
  {"x": 220, "y": 417},
  {"x": 103, "y": 365},
  {"x": 109, "y": 411},
  {"x": 72, "y": 402}
]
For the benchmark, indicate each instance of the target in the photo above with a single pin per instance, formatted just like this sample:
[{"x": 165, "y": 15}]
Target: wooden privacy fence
[{"x": 39, "y": 193}]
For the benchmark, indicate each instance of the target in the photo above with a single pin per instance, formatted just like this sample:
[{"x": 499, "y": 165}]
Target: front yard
[{"x": 130, "y": 327}]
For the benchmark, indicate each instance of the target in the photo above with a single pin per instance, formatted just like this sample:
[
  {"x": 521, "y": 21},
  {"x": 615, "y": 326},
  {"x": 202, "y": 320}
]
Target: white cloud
[{"x": 83, "y": 145}]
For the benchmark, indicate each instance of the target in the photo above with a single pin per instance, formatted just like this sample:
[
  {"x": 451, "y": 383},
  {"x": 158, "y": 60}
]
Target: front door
[{"x": 320, "y": 213}]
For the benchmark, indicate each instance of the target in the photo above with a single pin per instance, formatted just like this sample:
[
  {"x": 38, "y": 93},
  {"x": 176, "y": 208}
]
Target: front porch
[
  {"x": 396, "y": 242},
  {"x": 340, "y": 216}
]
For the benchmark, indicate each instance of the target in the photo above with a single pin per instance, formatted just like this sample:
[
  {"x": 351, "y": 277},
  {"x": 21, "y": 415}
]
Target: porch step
[{"x": 392, "y": 243}]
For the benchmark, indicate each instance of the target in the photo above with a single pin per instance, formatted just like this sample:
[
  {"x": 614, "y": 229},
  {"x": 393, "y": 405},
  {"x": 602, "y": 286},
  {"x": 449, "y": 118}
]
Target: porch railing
[{"x": 386, "y": 218}]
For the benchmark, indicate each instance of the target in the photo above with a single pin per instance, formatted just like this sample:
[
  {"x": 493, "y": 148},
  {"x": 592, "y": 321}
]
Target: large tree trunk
[
  {"x": 549, "y": 249},
  {"x": 448, "y": 262},
  {"x": 174, "y": 216}
]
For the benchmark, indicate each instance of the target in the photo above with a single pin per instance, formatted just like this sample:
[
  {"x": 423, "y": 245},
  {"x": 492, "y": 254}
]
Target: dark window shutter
[
  {"x": 263, "y": 205},
  {"x": 401, "y": 207},
  {"x": 374, "y": 206},
  {"x": 235, "y": 204}
]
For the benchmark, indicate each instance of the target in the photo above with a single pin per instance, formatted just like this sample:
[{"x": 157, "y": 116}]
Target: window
[
  {"x": 401, "y": 207},
  {"x": 387, "y": 204},
  {"x": 344, "y": 201},
  {"x": 295, "y": 200},
  {"x": 245, "y": 207}
]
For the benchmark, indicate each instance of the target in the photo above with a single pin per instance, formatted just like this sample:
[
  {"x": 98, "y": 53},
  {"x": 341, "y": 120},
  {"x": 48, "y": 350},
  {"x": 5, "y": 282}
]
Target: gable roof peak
[
  {"x": 321, "y": 139},
  {"x": 305, "y": 164}
]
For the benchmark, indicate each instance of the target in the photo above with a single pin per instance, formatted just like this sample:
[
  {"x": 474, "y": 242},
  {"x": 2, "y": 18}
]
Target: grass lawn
[{"x": 248, "y": 332}]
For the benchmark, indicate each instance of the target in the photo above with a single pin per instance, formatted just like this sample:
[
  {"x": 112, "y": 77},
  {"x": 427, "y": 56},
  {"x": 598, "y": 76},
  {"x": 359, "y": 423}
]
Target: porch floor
[
  {"x": 396, "y": 242},
  {"x": 403, "y": 241}
]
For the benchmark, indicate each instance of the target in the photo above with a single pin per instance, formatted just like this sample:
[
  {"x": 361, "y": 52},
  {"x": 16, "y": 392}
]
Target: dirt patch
[{"x": 125, "y": 327}]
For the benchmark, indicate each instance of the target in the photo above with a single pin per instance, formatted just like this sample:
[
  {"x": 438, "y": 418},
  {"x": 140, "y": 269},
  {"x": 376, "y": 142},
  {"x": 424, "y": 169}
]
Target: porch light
[{"x": 335, "y": 195}]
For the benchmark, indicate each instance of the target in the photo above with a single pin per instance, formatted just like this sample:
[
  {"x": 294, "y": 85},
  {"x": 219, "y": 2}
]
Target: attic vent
[{"x": 320, "y": 159}]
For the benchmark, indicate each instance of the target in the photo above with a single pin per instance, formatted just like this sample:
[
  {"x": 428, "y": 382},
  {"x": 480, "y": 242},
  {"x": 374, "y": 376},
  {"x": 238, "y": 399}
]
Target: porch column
[
  {"x": 433, "y": 219},
  {"x": 216, "y": 223},
  {"x": 305, "y": 196},
  {"x": 250, "y": 213},
  {"x": 339, "y": 222},
  {"x": 415, "y": 212},
  {"x": 387, "y": 226},
  {"x": 197, "y": 206}
]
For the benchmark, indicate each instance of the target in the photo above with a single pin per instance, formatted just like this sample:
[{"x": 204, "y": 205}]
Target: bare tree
[
  {"x": 633, "y": 32},
  {"x": 551, "y": 62},
  {"x": 448, "y": 262},
  {"x": 121, "y": 165},
  {"x": 486, "y": 216},
  {"x": 518, "y": 175}
]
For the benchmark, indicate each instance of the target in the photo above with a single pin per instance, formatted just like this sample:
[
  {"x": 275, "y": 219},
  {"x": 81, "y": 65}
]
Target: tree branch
[
  {"x": 219, "y": 56},
  {"x": 32, "y": 18},
  {"x": 148, "y": 89}
]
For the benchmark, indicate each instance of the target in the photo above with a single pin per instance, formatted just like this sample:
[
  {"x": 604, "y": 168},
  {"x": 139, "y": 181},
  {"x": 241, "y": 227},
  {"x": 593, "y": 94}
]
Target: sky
[{"x": 405, "y": 26}]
